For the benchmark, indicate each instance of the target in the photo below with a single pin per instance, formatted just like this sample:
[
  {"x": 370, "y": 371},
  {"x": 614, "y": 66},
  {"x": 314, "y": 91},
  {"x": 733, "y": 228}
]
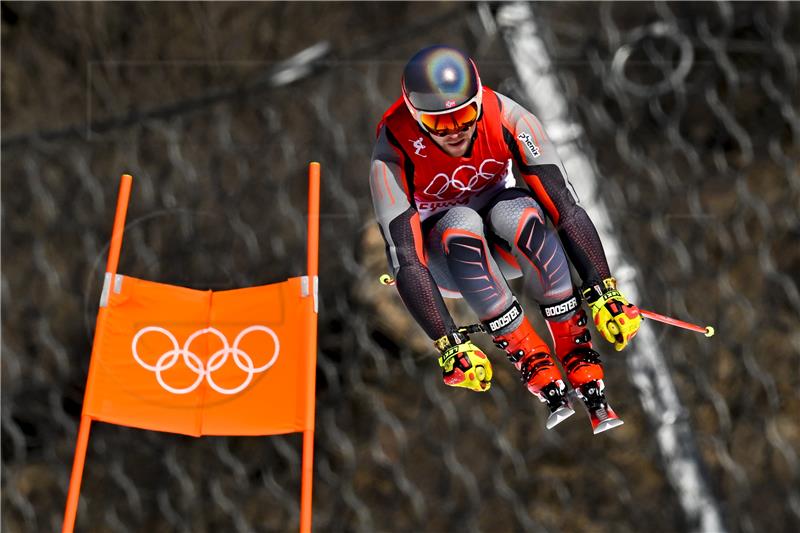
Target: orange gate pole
[
  {"x": 311, "y": 356},
  {"x": 73, "y": 494}
]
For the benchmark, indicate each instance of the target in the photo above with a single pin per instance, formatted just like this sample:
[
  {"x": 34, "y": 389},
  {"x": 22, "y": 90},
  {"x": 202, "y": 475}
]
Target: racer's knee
[
  {"x": 511, "y": 214},
  {"x": 519, "y": 220},
  {"x": 462, "y": 218},
  {"x": 462, "y": 235}
]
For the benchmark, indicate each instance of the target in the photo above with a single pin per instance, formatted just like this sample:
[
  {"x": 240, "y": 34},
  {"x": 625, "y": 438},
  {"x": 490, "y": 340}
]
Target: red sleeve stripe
[
  {"x": 404, "y": 165},
  {"x": 386, "y": 182},
  {"x": 416, "y": 230},
  {"x": 376, "y": 186},
  {"x": 535, "y": 184}
]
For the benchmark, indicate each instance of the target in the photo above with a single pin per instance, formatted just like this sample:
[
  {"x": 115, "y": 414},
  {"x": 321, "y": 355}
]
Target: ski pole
[{"x": 708, "y": 331}]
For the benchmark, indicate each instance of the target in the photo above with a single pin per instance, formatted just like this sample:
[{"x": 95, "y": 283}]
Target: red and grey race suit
[{"x": 460, "y": 226}]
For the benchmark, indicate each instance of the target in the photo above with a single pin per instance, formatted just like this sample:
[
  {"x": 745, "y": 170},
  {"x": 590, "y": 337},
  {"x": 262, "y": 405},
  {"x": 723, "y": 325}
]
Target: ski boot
[
  {"x": 573, "y": 344},
  {"x": 531, "y": 356},
  {"x": 601, "y": 414}
]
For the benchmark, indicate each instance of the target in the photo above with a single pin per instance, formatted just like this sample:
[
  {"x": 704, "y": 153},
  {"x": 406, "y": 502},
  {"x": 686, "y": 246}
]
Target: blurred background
[{"x": 679, "y": 123}]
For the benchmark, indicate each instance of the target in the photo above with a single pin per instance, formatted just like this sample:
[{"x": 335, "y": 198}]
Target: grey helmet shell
[{"x": 440, "y": 79}]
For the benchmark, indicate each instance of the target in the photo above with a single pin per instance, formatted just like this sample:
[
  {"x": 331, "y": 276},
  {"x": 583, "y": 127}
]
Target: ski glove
[
  {"x": 464, "y": 364},
  {"x": 616, "y": 319}
]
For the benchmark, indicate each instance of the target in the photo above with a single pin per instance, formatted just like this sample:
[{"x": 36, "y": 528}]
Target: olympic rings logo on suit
[
  {"x": 170, "y": 358},
  {"x": 471, "y": 180}
]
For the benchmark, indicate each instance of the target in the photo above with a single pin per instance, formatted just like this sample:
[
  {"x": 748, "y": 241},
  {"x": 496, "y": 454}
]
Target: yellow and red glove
[
  {"x": 616, "y": 319},
  {"x": 464, "y": 364}
]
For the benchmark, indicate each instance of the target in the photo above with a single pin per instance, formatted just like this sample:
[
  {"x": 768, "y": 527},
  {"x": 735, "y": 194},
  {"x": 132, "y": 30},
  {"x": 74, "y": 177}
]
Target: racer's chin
[{"x": 455, "y": 145}]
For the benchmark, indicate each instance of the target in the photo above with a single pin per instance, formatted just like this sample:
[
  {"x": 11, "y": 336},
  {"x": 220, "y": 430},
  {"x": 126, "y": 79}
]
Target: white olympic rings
[
  {"x": 241, "y": 358},
  {"x": 468, "y": 181}
]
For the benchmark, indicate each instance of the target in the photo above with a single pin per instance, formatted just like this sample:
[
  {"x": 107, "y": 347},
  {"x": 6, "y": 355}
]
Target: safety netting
[{"x": 688, "y": 115}]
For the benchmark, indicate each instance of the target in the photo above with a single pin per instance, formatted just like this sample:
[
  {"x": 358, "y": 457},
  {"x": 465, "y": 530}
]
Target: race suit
[{"x": 460, "y": 226}]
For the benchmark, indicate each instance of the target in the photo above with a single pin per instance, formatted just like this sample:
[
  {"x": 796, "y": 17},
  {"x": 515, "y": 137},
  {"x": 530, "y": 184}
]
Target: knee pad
[
  {"x": 507, "y": 215},
  {"x": 463, "y": 218}
]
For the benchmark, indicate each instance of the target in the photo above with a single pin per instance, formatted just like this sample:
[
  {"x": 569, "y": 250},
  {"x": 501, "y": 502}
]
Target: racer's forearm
[
  {"x": 583, "y": 246},
  {"x": 423, "y": 300},
  {"x": 576, "y": 230},
  {"x": 415, "y": 284}
]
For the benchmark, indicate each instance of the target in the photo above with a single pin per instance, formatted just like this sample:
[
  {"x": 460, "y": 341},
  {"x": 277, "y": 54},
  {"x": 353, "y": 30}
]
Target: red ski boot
[
  {"x": 573, "y": 344},
  {"x": 532, "y": 358}
]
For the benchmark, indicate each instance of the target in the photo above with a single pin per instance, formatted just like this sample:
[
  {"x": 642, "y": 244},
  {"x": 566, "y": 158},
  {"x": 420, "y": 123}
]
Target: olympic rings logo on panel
[
  {"x": 170, "y": 358},
  {"x": 465, "y": 178}
]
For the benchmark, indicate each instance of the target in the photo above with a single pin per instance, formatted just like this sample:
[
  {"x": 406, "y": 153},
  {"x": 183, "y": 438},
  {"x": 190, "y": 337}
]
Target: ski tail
[{"x": 559, "y": 415}]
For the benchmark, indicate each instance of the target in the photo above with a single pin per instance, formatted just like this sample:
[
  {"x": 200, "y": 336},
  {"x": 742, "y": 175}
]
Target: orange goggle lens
[{"x": 449, "y": 123}]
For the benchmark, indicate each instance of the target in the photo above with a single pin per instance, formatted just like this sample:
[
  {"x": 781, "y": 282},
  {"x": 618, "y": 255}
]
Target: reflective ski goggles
[{"x": 444, "y": 124}]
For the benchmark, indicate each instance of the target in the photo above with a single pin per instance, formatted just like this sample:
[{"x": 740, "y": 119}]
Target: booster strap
[
  {"x": 494, "y": 325},
  {"x": 559, "y": 309}
]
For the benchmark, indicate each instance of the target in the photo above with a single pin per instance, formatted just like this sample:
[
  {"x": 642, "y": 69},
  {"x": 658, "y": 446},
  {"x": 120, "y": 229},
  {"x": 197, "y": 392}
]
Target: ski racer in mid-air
[{"x": 456, "y": 225}]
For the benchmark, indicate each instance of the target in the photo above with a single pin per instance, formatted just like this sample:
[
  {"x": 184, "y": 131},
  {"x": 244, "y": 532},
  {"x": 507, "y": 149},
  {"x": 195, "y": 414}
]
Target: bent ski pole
[{"x": 708, "y": 331}]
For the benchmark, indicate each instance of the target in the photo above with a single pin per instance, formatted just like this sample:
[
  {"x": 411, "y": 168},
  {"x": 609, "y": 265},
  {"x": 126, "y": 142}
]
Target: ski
[
  {"x": 554, "y": 395},
  {"x": 601, "y": 414},
  {"x": 558, "y": 416}
]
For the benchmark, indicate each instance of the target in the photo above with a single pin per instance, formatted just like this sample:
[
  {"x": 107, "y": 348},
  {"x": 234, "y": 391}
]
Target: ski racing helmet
[{"x": 442, "y": 90}]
